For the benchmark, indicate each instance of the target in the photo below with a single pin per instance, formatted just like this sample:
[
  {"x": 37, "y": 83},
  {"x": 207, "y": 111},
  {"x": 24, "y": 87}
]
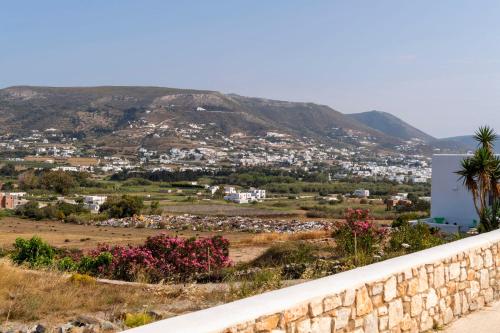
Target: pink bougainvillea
[
  {"x": 165, "y": 257},
  {"x": 359, "y": 231}
]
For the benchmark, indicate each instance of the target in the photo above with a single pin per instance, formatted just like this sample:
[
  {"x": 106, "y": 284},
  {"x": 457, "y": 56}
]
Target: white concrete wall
[{"x": 450, "y": 199}]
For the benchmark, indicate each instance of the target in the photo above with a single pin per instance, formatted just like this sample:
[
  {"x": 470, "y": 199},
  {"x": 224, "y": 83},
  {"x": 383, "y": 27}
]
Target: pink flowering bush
[
  {"x": 162, "y": 257},
  {"x": 359, "y": 232},
  {"x": 187, "y": 257}
]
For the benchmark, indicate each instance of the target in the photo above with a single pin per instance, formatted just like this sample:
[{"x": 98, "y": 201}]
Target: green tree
[
  {"x": 8, "y": 170},
  {"x": 124, "y": 206},
  {"x": 34, "y": 252},
  {"x": 58, "y": 181}
]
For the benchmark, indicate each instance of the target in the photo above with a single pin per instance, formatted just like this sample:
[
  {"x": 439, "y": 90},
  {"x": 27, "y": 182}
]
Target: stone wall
[{"x": 412, "y": 293}]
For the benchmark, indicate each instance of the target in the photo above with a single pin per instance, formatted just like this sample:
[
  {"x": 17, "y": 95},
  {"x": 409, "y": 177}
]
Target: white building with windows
[
  {"x": 361, "y": 193},
  {"x": 252, "y": 195}
]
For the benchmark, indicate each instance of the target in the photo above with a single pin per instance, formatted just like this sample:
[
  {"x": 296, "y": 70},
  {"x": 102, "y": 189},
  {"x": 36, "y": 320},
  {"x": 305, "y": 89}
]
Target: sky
[{"x": 435, "y": 64}]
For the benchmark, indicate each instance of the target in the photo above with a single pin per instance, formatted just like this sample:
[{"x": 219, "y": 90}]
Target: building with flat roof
[{"x": 451, "y": 202}]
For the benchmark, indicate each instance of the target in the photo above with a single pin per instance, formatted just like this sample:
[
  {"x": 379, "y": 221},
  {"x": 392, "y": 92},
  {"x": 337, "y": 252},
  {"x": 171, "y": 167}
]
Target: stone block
[
  {"x": 331, "y": 303},
  {"x": 454, "y": 271},
  {"x": 267, "y": 323},
  {"x": 303, "y": 326},
  {"x": 416, "y": 305},
  {"x": 341, "y": 317},
  {"x": 321, "y": 325},
  {"x": 370, "y": 323},
  {"x": 431, "y": 299},
  {"x": 395, "y": 313},
  {"x": 363, "y": 302}
]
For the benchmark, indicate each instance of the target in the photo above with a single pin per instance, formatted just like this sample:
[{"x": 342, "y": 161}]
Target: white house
[
  {"x": 239, "y": 197},
  {"x": 257, "y": 193},
  {"x": 361, "y": 193},
  {"x": 252, "y": 195},
  {"x": 451, "y": 203},
  {"x": 213, "y": 189},
  {"x": 94, "y": 202}
]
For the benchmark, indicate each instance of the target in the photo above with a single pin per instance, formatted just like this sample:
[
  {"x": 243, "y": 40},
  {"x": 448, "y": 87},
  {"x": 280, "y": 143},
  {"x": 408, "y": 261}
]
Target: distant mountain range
[
  {"x": 391, "y": 125},
  {"x": 119, "y": 115}
]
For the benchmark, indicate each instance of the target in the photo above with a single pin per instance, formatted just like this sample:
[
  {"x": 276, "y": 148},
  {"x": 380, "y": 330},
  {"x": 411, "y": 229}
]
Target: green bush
[
  {"x": 58, "y": 211},
  {"x": 260, "y": 281},
  {"x": 287, "y": 253},
  {"x": 124, "y": 206},
  {"x": 66, "y": 264},
  {"x": 91, "y": 265},
  {"x": 408, "y": 238},
  {"x": 35, "y": 252}
]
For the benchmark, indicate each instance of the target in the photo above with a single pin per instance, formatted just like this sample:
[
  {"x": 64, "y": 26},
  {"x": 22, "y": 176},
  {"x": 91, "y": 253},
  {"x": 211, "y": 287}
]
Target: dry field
[
  {"x": 226, "y": 210},
  {"x": 244, "y": 246},
  {"x": 51, "y": 298}
]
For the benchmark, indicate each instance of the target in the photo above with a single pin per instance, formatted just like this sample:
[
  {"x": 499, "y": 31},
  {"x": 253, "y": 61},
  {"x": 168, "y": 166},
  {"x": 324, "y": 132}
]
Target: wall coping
[{"x": 218, "y": 318}]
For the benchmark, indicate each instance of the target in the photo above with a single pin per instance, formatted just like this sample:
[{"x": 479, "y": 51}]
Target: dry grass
[
  {"x": 270, "y": 238},
  {"x": 53, "y": 298},
  {"x": 64, "y": 235}
]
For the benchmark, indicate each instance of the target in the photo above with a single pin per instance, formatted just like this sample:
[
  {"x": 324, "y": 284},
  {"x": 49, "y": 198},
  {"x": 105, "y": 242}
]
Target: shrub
[
  {"x": 95, "y": 264},
  {"x": 256, "y": 283},
  {"x": 58, "y": 211},
  {"x": 137, "y": 319},
  {"x": 404, "y": 218},
  {"x": 35, "y": 252},
  {"x": 285, "y": 254},
  {"x": 188, "y": 257},
  {"x": 408, "y": 238},
  {"x": 66, "y": 264},
  {"x": 316, "y": 214},
  {"x": 127, "y": 263},
  {"x": 360, "y": 234},
  {"x": 82, "y": 279},
  {"x": 124, "y": 206}
]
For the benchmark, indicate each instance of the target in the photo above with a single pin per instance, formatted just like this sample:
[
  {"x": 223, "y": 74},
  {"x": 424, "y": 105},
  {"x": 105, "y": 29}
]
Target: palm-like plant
[
  {"x": 486, "y": 137},
  {"x": 480, "y": 174}
]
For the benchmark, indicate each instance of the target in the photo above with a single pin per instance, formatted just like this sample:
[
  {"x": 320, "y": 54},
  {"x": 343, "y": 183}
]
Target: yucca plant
[{"x": 480, "y": 174}]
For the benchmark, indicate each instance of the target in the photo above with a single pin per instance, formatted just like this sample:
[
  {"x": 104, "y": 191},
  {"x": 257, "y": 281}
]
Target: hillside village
[{"x": 277, "y": 150}]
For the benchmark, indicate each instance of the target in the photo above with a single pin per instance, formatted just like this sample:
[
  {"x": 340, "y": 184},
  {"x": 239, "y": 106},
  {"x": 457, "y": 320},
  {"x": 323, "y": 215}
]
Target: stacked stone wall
[{"x": 415, "y": 299}]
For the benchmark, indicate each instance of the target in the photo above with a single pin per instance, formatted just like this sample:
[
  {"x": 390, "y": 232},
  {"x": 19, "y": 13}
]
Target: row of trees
[{"x": 58, "y": 181}]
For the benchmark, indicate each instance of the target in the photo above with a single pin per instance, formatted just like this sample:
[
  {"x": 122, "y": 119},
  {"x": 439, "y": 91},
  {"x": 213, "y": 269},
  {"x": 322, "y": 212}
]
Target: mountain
[
  {"x": 124, "y": 115},
  {"x": 467, "y": 142},
  {"x": 125, "y": 118},
  {"x": 391, "y": 125}
]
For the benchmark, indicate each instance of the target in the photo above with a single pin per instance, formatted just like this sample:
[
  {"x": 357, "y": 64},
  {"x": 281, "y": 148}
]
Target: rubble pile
[{"x": 216, "y": 223}]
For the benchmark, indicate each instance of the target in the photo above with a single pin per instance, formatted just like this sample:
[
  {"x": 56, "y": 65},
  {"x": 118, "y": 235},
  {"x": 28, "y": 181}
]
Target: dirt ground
[
  {"x": 85, "y": 236},
  {"x": 227, "y": 210}
]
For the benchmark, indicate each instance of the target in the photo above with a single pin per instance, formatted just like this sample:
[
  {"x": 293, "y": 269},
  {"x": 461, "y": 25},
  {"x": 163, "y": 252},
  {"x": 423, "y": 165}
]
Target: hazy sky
[{"x": 435, "y": 64}]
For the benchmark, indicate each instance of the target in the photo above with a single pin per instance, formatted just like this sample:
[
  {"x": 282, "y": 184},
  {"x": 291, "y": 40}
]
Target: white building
[
  {"x": 257, "y": 193},
  {"x": 451, "y": 203},
  {"x": 94, "y": 202},
  {"x": 239, "y": 197},
  {"x": 252, "y": 195},
  {"x": 361, "y": 193}
]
